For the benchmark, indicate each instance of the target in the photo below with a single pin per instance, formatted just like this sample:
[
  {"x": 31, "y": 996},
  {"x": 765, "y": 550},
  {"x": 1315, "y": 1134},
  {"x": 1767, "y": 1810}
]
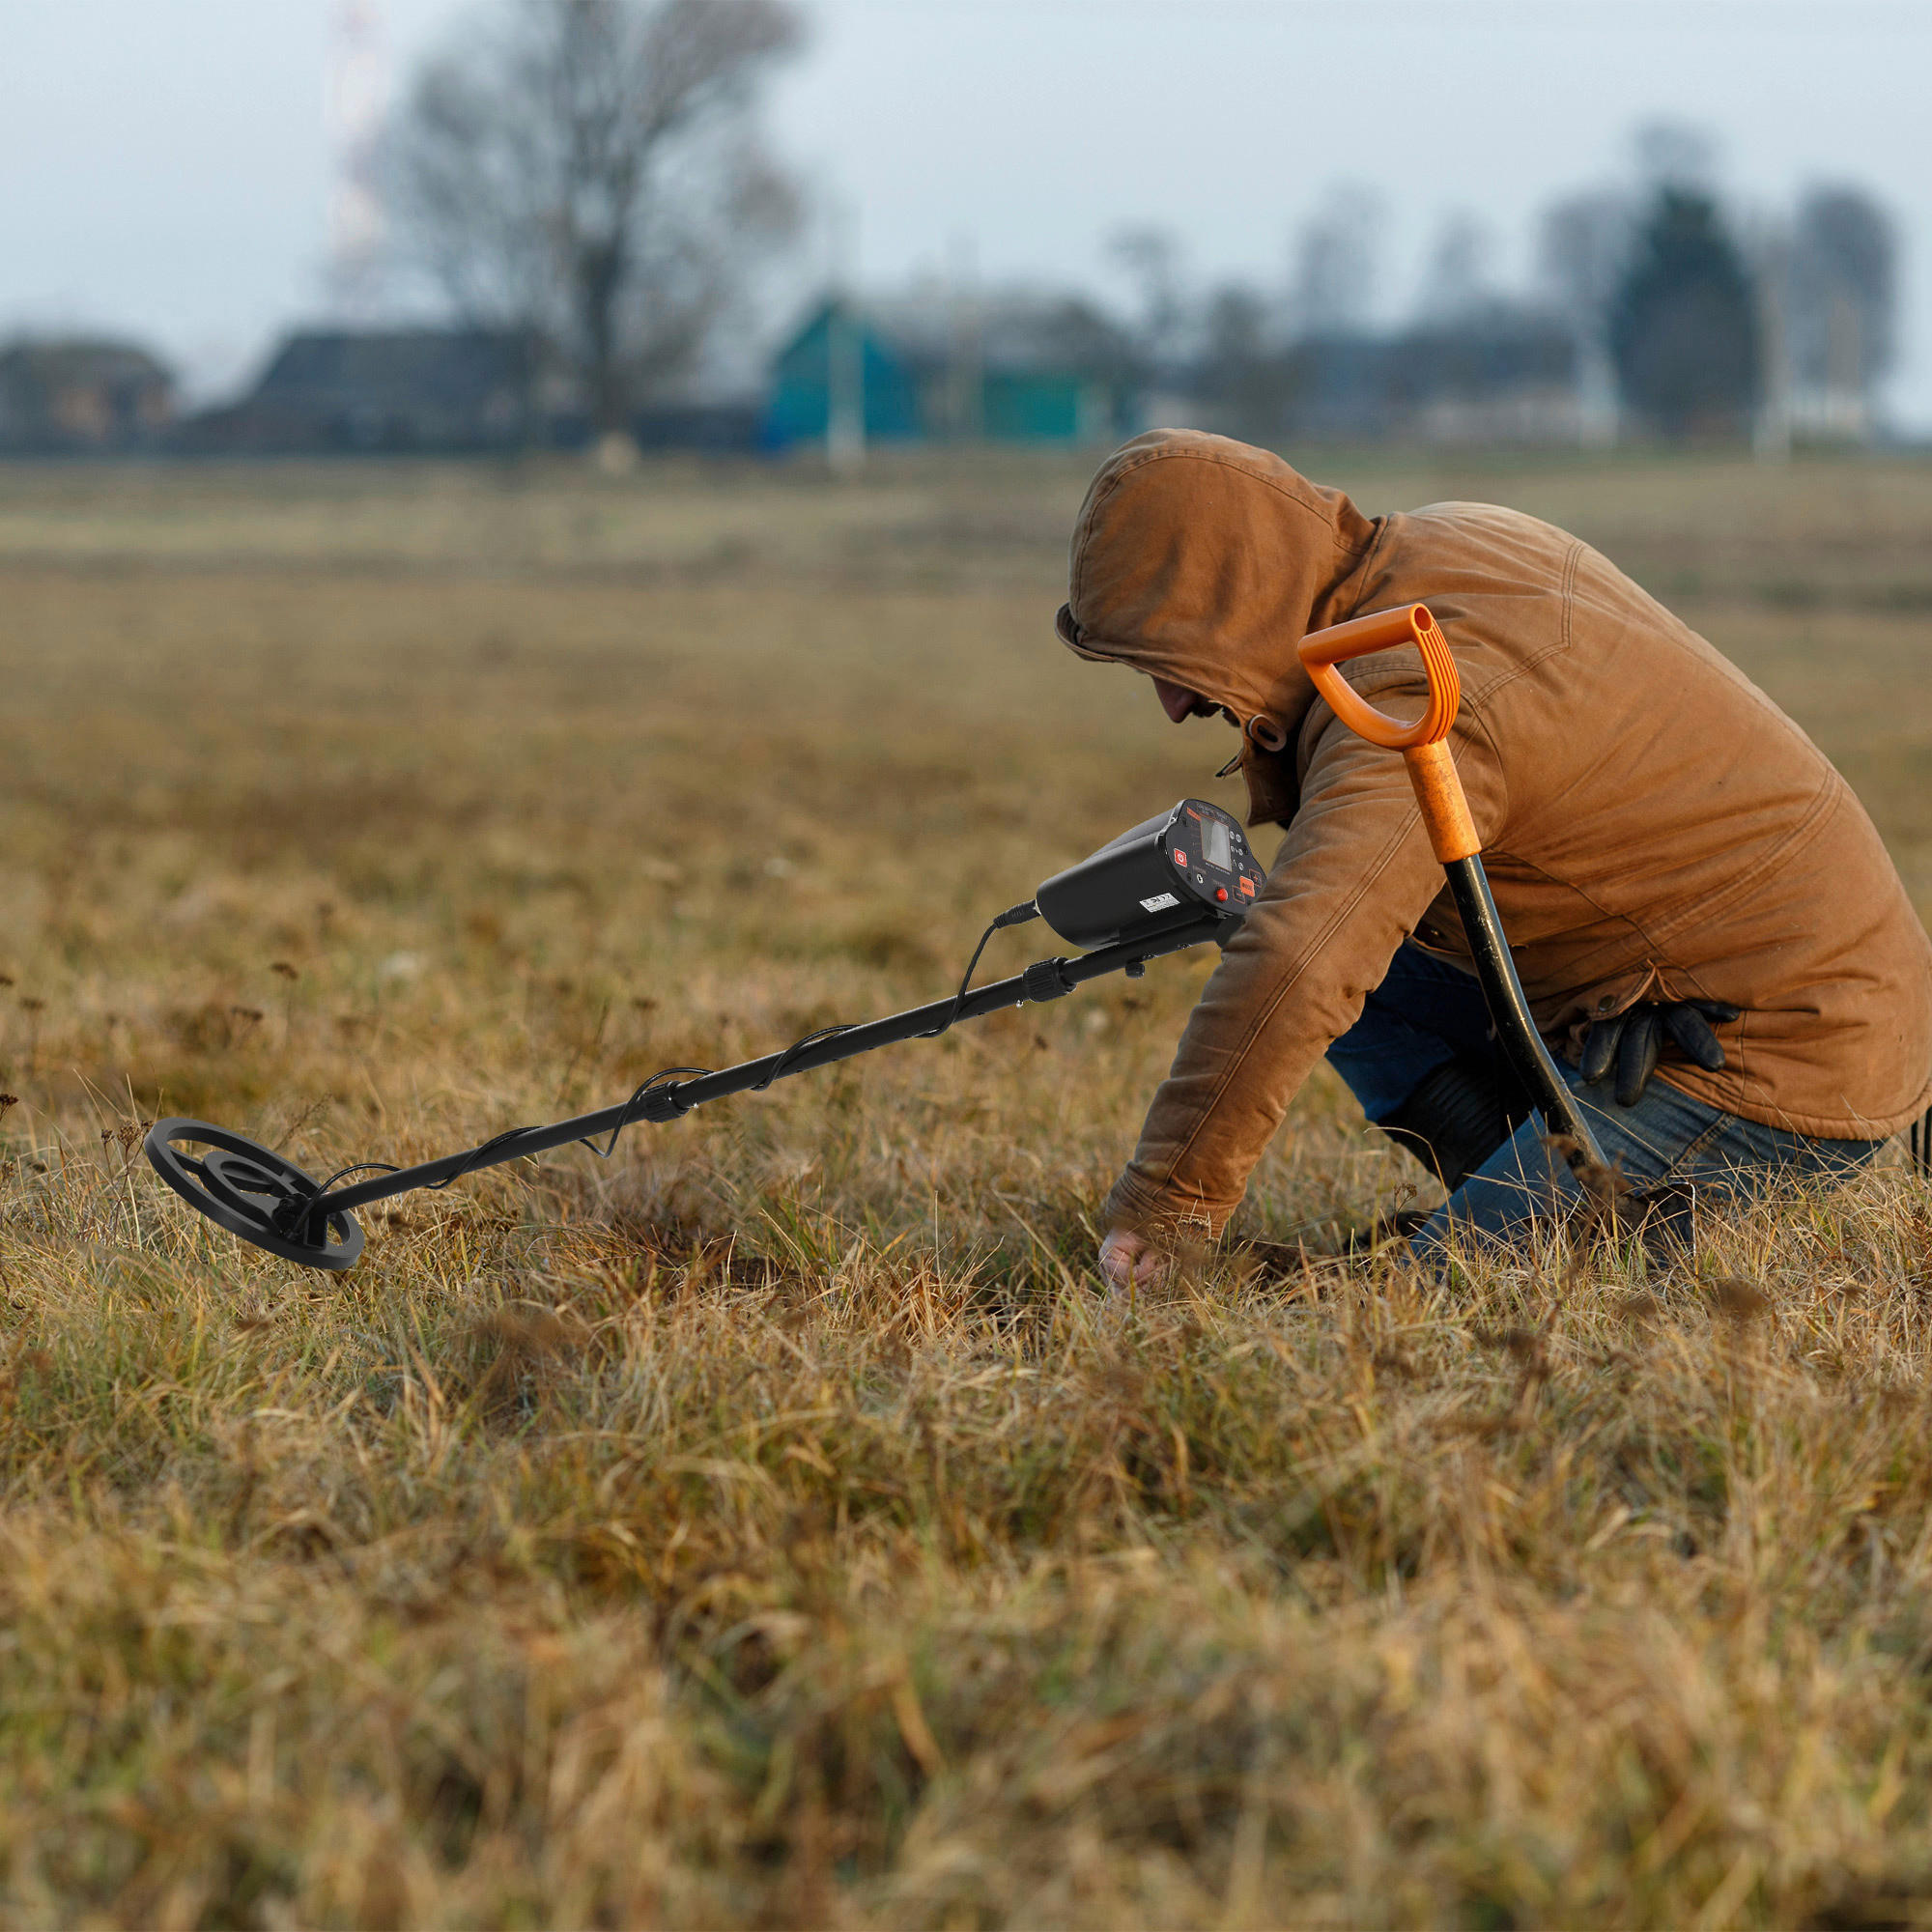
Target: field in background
[{"x": 769, "y": 1525}]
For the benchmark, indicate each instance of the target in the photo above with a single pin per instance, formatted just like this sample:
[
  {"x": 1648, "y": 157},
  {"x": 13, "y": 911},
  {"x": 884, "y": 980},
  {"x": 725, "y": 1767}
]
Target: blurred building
[
  {"x": 1500, "y": 376},
  {"x": 82, "y": 396},
  {"x": 1018, "y": 369},
  {"x": 381, "y": 391}
]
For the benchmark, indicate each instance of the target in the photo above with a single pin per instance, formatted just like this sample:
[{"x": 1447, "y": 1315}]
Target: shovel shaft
[{"x": 1508, "y": 1012}]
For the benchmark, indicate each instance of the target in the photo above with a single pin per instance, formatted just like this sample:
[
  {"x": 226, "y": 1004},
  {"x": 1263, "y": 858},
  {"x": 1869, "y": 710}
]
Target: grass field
[{"x": 770, "y": 1526}]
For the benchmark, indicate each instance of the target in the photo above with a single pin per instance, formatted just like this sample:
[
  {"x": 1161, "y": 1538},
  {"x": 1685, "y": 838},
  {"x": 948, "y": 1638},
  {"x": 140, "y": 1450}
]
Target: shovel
[{"x": 1451, "y": 835}]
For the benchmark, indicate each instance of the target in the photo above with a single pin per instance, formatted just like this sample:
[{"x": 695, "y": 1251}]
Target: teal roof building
[{"x": 1015, "y": 371}]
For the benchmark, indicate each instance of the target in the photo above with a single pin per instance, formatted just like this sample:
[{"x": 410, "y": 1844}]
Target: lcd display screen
[{"x": 1215, "y": 849}]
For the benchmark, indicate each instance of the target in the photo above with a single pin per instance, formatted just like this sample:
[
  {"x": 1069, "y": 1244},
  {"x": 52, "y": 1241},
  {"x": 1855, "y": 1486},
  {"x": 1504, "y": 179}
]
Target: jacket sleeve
[{"x": 1353, "y": 875}]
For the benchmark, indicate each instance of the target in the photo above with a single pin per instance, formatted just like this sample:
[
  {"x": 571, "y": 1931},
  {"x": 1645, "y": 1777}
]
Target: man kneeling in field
[{"x": 1710, "y": 933}]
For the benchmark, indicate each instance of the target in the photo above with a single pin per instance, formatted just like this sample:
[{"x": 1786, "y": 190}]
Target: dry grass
[{"x": 771, "y": 1526}]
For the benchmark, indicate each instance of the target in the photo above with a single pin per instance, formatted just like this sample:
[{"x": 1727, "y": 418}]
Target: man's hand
[{"x": 1130, "y": 1261}]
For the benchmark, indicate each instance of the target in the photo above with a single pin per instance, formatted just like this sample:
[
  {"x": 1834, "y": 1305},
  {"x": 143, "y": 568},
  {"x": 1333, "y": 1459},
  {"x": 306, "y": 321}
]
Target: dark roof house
[
  {"x": 428, "y": 390},
  {"x": 79, "y": 395}
]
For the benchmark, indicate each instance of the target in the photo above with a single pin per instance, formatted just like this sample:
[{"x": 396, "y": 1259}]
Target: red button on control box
[
  {"x": 1221, "y": 893},
  {"x": 1180, "y": 857}
]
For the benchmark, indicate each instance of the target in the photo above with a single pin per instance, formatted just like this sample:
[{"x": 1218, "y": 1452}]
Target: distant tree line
[{"x": 1657, "y": 310}]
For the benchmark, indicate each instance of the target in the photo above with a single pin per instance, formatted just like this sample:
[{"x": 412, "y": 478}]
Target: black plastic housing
[{"x": 1159, "y": 876}]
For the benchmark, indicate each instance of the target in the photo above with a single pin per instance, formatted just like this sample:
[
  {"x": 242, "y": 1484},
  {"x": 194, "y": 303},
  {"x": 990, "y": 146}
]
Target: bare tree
[
  {"x": 1458, "y": 281},
  {"x": 1242, "y": 371},
  {"x": 1582, "y": 248},
  {"x": 1151, "y": 258},
  {"x": 588, "y": 170}
]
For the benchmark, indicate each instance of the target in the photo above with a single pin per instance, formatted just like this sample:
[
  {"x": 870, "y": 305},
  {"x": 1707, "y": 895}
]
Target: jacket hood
[{"x": 1204, "y": 561}]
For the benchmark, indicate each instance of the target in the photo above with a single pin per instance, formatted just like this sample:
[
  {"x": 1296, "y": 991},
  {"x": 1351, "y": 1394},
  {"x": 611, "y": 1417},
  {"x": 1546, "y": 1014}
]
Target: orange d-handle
[{"x": 1423, "y": 745}]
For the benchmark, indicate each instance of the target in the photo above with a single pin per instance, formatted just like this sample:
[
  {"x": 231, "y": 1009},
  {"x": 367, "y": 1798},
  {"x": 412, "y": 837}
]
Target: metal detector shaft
[{"x": 1043, "y": 979}]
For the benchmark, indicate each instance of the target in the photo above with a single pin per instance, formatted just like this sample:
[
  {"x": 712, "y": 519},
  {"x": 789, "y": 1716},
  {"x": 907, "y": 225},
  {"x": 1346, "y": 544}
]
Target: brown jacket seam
[
  {"x": 1488, "y": 690},
  {"x": 1628, "y": 920},
  {"x": 1738, "y": 1060},
  {"x": 1474, "y": 696},
  {"x": 1467, "y": 716},
  {"x": 1475, "y": 719},
  {"x": 1543, "y": 872},
  {"x": 1363, "y": 563},
  {"x": 1808, "y": 828}
]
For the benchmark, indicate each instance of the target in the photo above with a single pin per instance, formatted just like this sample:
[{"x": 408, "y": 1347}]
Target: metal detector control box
[{"x": 1159, "y": 876}]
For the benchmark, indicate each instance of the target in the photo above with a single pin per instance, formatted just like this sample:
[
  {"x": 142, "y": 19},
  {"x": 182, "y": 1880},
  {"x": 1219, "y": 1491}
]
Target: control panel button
[
  {"x": 1221, "y": 894},
  {"x": 1180, "y": 857}
]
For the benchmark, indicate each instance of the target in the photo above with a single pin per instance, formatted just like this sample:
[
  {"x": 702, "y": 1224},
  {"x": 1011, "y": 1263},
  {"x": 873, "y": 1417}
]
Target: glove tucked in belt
[{"x": 1634, "y": 1041}]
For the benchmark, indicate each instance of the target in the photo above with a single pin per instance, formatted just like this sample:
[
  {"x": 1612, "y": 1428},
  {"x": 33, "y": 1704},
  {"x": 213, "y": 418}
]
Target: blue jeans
[{"x": 1427, "y": 1012}]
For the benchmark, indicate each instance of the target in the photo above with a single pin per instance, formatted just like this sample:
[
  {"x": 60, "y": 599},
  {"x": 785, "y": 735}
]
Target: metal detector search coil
[
  {"x": 1165, "y": 872},
  {"x": 1177, "y": 881}
]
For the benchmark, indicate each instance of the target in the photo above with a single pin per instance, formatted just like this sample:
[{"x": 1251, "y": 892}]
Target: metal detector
[{"x": 1179, "y": 879}]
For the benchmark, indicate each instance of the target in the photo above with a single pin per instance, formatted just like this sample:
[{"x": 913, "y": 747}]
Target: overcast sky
[{"x": 166, "y": 170}]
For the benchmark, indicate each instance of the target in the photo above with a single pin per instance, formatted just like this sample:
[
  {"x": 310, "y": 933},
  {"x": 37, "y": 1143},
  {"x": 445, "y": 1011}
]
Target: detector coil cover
[{"x": 254, "y": 1192}]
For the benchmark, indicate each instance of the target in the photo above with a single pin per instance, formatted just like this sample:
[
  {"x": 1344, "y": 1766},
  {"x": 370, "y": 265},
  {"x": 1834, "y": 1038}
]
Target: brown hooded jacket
[{"x": 1653, "y": 826}]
